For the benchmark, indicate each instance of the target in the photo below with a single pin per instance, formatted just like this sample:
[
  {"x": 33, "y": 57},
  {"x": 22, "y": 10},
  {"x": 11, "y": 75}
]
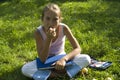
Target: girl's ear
[{"x": 61, "y": 18}]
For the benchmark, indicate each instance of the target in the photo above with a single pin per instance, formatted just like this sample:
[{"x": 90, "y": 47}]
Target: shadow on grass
[
  {"x": 14, "y": 10},
  {"x": 10, "y": 11},
  {"x": 15, "y": 75}
]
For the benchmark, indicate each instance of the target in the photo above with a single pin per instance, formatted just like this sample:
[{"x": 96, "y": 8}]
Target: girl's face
[{"x": 51, "y": 19}]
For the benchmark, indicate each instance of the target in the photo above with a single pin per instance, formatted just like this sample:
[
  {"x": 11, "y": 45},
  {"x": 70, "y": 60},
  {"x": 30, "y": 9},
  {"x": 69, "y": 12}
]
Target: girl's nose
[{"x": 51, "y": 24}]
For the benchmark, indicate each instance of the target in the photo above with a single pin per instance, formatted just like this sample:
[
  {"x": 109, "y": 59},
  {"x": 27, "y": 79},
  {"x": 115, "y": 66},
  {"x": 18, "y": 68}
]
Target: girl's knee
[
  {"x": 82, "y": 59},
  {"x": 23, "y": 70},
  {"x": 29, "y": 69},
  {"x": 87, "y": 58}
]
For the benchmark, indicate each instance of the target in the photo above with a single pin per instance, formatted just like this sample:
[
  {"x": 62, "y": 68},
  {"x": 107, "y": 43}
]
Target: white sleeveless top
[{"x": 58, "y": 45}]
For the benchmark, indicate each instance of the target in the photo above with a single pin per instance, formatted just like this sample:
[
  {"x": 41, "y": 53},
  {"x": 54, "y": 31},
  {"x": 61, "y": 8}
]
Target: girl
[{"x": 50, "y": 41}]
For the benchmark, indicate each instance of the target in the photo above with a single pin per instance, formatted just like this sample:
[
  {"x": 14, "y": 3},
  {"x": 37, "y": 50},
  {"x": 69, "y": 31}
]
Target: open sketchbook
[
  {"x": 100, "y": 65},
  {"x": 44, "y": 68}
]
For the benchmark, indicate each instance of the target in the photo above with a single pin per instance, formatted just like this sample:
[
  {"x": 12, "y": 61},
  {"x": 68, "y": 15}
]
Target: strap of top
[{"x": 42, "y": 33}]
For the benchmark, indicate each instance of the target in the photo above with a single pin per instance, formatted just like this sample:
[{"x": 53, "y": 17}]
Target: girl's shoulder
[
  {"x": 63, "y": 24},
  {"x": 65, "y": 28},
  {"x": 38, "y": 30},
  {"x": 39, "y": 27}
]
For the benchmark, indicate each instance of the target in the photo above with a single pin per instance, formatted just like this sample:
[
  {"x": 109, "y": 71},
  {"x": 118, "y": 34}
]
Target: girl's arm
[
  {"x": 76, "y": 48},
  {"x": 42, "y": 48}
]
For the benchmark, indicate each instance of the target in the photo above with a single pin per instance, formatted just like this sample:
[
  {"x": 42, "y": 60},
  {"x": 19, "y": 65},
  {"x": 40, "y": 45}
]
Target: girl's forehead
[{"x": 52, "y": 13}]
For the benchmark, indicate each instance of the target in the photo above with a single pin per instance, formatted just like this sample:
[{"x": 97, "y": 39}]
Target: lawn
[{"x": 95, "y": 24}]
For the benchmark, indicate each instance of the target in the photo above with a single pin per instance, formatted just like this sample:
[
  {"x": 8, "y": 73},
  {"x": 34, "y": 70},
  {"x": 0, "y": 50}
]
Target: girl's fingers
[
  {"x": 52, "y": 32},
  {"x": 59, "y": 67}
]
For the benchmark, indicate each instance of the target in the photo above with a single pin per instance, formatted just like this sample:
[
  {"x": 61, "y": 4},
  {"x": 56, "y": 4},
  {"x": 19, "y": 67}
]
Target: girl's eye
[
  {"x": 47, "y": 18},
  {"x": 55, "y": 19}
]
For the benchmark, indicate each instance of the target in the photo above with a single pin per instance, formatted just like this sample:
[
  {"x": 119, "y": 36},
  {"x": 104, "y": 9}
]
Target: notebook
[
  {"x": 48, "y": 62},
  {"x": 100, "y": 65},
  {"x": 44, "y": 68}
]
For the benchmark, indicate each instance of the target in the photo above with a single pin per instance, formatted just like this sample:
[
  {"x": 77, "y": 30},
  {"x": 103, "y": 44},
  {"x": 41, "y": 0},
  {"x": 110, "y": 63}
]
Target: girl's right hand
[
  {"x": 51, "y": 33},
  {"x": 60, "y": 64}
]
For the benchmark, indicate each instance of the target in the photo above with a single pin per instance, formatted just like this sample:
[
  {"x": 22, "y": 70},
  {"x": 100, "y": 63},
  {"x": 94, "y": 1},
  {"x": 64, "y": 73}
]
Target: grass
[{"x": 95, "y": 24}]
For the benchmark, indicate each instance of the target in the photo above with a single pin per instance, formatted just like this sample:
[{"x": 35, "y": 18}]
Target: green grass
[{"x": 95, "y": 24}]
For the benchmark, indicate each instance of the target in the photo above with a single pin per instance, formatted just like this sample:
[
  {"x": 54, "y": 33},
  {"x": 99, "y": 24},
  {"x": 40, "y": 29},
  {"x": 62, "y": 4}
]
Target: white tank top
[{"x": 58, "y": 45}]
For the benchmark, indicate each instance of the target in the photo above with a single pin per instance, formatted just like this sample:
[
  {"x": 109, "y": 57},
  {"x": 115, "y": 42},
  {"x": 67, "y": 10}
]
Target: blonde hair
[{"x": 51, "y": 7}]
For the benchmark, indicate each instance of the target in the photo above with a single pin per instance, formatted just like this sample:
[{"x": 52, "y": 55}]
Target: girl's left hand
[{"x": 59, "y": 65}]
